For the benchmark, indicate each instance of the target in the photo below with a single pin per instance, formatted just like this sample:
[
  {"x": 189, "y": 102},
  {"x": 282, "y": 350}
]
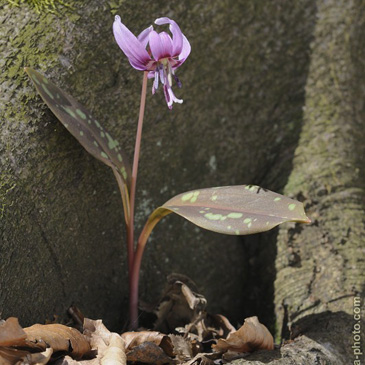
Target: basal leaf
[
  {"x": 235, "y": 210},
  {"x": 82, "y": 125}
]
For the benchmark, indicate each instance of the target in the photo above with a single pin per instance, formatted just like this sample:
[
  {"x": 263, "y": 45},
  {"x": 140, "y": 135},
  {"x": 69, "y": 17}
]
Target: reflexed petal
[
  {"x": 177, "y": 36},
  {"x": 160, "y": 44},
  {"x": 143, "y": 36},
  {"x": 130, "y": 45},
  {"x": 186, "y": 49}
]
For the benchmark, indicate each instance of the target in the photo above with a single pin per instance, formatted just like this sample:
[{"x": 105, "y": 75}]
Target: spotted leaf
[
  {"x": 235, "y": 210},
  {"x": 82, "y": 125}
]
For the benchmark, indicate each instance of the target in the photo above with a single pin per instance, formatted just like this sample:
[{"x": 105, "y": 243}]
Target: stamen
[
  {"x": 162, "y": 75},
  {"x": 178, "y": 82},
  {"x": 155, "y": 82}
]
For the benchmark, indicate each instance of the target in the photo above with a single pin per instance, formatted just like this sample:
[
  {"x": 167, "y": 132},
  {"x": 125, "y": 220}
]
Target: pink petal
[
  {"x": 177, "y": 36},
  {"x": 130, "y": 45},
  {"x": 143, "y": 36},
  {"x": 160, "y": 44},
  {"x": 186, "y": 49}
]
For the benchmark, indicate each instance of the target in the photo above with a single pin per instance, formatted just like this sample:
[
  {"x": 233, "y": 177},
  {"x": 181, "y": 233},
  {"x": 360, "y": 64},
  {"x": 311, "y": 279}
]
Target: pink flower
[{"x": 162, "y": 57}]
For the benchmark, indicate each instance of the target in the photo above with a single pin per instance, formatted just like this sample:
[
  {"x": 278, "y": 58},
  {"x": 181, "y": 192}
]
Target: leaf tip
[{"x": 307, "y": 220}]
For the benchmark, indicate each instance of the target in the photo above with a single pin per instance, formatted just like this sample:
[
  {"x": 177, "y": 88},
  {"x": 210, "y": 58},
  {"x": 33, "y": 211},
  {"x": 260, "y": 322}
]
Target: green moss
[
  {"x": 6, "y": 186},
  {"x": 50, "y": 6}
]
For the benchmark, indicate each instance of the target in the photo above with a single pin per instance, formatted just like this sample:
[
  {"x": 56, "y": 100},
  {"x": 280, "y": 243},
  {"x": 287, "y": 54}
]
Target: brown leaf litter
[{"x": 184, "y": 333}]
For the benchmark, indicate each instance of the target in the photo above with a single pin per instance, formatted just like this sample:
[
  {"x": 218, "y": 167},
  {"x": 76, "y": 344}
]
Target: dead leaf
[
  {"x": 9, "y": 356},
  {"x": 148, "y": 347},
  {"x": 250, "y": 337},
  {"x": 133, "y": 339},
  {"x": 108, "y": 347},
  {"x": 115, "y": 352},
  {"x": 178, "y": 307},
  {"x": 11, "y": 333},
  {"x": 149, "y": 353},
  {"x": 182, "y": 348},
  {"x": 59, "y": 338},
  {"x": 219, "y": 325},
  {"x": 39, "y": 358}
]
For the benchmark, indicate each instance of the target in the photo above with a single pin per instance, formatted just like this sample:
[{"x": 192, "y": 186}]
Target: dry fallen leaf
[
  {"x": 39, "y": 358},
  {"x": 148, "y": 347},
  {"x": 133, "y": 339},
  {"x": 115, "y": 352},
  {"x": 36, "y": 344},
  {"x": 180, "y": 306},
  {"x": 148, "y": 353},
  {"x": 182, "y": 348},
  {"x": 108, "y": 347},
  {"x": 59, "y": 338},
  {"x": 250, "y": 337},
  {"x": 11, "y": 333}
]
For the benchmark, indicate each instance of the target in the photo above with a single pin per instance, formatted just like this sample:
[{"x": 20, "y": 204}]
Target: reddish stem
[{"x": 130, "y": 229}]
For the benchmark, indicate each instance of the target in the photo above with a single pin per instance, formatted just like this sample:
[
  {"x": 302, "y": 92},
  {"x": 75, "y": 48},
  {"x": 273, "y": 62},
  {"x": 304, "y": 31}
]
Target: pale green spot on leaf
[
  {"x": 96, "y": 144},
  {"x": 103, "y": 154},
  {"x": 45, "y": 88},
  {"x": 81, "y": 133},
  {"x": 120, "y": 158},
  {"x": 186, "y": 197},
  {"x": 292, "y": 206},
  {"x": 213, "y": 217},
  {"x": 102, "y": 134},
  {"x": 34, "y": 77},
  {"x": 277, "y": 199},
  {"x": 124, "y": 173},
  {"x": 69, "y": 111},
  {"x": 112, "y": 143},
  {"x": 237, "y": 232},
  {"x": 214, "y": 198},
  {"x": 247, "y": 220},
  {"x": 81, "y": 114},
  {"x": 235, "y": 215}
]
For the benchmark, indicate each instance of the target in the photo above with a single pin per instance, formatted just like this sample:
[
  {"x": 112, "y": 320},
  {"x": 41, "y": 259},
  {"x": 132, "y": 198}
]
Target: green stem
[{"x": 130, "y": 227}]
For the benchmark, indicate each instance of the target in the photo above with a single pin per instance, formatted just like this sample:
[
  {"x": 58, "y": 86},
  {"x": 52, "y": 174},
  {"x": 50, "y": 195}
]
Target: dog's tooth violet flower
[{"x": 155, "y": 52}]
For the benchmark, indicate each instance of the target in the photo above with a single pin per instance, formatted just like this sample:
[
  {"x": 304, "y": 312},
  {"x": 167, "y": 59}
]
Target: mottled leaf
[
  {"x": 235, "y": 210},
  {"x": 82, "y": 125}
]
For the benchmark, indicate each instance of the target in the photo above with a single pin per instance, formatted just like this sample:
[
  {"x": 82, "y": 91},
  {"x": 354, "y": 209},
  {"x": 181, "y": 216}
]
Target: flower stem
[{"x": 133, "y": 307}]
